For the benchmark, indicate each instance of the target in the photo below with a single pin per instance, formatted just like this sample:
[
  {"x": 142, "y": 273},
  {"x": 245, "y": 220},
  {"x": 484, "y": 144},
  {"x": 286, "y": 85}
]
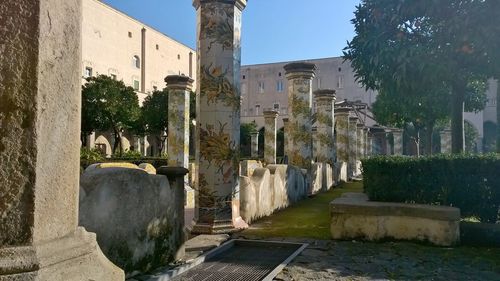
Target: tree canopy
[
  {"x": 109, "y": 105},
  {"x": 403, "y": 46}
]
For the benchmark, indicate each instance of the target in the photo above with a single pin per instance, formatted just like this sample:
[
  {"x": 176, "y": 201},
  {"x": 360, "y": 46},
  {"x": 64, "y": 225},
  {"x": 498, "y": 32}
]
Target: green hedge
[
  {"x": 471, "y": 183},
  {"x": 155, "y": 161}
]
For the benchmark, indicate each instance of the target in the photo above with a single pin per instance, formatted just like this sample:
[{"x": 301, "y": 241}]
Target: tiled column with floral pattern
[
  {"x": 254, "y": 144},
  {"x": 366, "y": 132},
  {"x": 270, "y": 136},
  {"x": 179, "y": 88},
  {"x": 300, "y": 150},
  {"x": 361, "y": 141},
  {"x": 218, "y": 115},
  {"x": 324, "y": 144},
  {"x": 285, "y": 137},
  {"x": 369, "y": 144},
  {"x": 398, "y": 141},
  {"x": 353, "y": 146},
  {"x": 342, "y": 128}
]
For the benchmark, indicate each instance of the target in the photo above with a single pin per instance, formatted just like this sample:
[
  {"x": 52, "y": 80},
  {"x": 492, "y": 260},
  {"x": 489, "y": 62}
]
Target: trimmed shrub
[
  {"x": 155, "y": 161},
  {"x": 471, "y": 183}
]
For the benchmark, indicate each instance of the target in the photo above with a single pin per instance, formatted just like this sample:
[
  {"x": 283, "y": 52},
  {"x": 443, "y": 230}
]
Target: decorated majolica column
[
  {"x": 270, "y": 136},
  {"x": 388, "y": 146},
  {"x": 445, "y": 141},
  {"x": 300, "y": 150},
  {"x": 366, "y": 132},
  {"x": 254, "y": 144},
  {"x": 342, "y": 128},
  {"x": 353, "y": 146},
  {"x": 218, "y": 115},
  {"x": 361, "y": 141},
  {"x": 398, "y": 141},
  {"x": 324, "y": 121},
  {"x": 179, "y": 89},
  {"x": 285, "y": 138}
]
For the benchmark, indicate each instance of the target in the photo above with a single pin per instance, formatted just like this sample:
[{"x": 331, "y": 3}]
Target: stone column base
[{"x": 75, "y": 257}]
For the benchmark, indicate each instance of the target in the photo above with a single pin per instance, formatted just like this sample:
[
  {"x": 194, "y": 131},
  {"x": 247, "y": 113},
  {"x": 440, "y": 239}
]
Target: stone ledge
[{"x": 350, "y": 204}]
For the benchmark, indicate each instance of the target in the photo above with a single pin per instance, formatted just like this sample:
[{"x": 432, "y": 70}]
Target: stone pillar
[
  {"x": 218, "y": 114},
  {"x": 445, "y": 141},
  {"x": 369, "y": 146},
  {"x": 398, "y": 141},
  {"x": 388, "y": 147},
  {"x": 91, "y": 141},
  {"x": 361, "y": 141},
  {"x": 179, "y": 89},
  {"x": 286, "y": 150},
  {"x": 40, "y": 112},
  {"x": 324, "y": 120},
  {"x": 254, "y": 144},
  {"x": 353, "y": 146},
  {"x": 300, "y": 148},
  {"x": 270, "y": 136},
  {"x": 342, "y": 127},
  {"x": 368, "y": 142},
  {"x": 137, "y": 143},
  {"x": 342, "y": 142},
  {"x": 144, "y": 146}
]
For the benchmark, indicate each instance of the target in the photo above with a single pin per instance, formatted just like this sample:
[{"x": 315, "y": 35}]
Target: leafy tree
[
  {"x": 109, "y": 105},
  {"x": 154, "y": 116},
  {"x": 246, "y": 130},
  {"x": 401, "y": 45}
]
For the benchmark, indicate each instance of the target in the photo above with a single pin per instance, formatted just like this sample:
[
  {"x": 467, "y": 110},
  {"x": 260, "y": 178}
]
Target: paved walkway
[{"x": 326, "y": 259}]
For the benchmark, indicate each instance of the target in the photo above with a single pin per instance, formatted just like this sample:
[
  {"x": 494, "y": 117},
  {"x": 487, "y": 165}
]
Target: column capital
[
  {"x": 240, "y": 4},
  {"x": 300, "y": 69},
  {"x": 360, "y": 125},
  {"x": 342, "y": 110},
  {"x": 254, "y": 134},
  {"x": 326, "y": 94},
  {"x": 179, "y": 82},
  {"x": 270, "y": 113}
]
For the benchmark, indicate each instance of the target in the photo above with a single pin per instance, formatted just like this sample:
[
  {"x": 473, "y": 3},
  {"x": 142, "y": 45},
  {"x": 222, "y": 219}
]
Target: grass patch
[{"x": 309, "y": 218}]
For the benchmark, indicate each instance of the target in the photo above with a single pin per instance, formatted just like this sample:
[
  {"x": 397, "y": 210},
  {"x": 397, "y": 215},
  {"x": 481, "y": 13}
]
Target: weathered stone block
[{"x": 354, "y": 217}]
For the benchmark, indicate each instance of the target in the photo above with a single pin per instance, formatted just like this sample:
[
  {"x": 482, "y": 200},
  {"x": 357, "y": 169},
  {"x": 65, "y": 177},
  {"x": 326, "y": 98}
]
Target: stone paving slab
[{"x": 359, "y": 261}]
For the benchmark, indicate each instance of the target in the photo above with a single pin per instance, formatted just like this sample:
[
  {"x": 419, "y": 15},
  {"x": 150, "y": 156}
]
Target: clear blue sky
[{"x": 273, "y": 30}]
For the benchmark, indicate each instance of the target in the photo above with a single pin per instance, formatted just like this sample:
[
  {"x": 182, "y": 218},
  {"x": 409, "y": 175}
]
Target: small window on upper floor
[
  {"x": 136, "y": 61},
  {"x": 279, "y": 74},
  {"x": 257, "y": 109},
  {"x": 276, "y": 106},
  {"x": 244, "y": 77},
  {"x": 88, "y": 72},
  {"x": 129, "y": 34},
  {"x": 136, "y": 84},
  {"x": 340, "y": 81},
  {"x": 340, "y": 69},
  {"x": 178, "y": 57},
  {"x": 279, "y": 86},
  {"x": 157, "y": 46},
  {"x": 261, "y": 87}
]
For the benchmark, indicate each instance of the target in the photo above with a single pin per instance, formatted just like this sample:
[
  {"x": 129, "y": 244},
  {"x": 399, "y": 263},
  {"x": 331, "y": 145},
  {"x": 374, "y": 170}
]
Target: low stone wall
[
  {"x": 322, "y": 178},
  {"x": 353, "y": 217},
  {"x": 265, "y": 190},
  {"x": 136, "y": 216}
]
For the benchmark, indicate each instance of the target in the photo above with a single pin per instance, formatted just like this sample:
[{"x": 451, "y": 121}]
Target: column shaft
[
  {"x": 218, "y": 114},
  {"x": 398, "y": 142},
  {"x": 179, "y": 89},
  {"x": 353, "y": 146},
  {"x": 270, "y": 136},
  {"x": 254, "y": 144},
  {"x": 324, "y": 144},
  {"x": 300, "y": 148}
]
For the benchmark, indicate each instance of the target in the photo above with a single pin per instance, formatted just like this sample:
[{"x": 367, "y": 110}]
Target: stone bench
[{"x": 354, "y": 217}]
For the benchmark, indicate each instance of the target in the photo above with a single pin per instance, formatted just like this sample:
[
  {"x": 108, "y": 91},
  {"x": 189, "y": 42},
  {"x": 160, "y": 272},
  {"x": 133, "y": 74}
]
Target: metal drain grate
[{"x": 244, "y": 260}]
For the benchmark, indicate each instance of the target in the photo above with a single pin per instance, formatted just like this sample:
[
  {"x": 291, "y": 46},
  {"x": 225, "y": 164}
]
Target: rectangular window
[
  {"x": 136, "y": 85},
  {"x": 279, "y": 86},
  {"x": 257, "y": 109},
  {"x": 276, "y": 106},
  {"x": 88, "y": 72},
  {"x": 261, "y": 87},
  {"x": 340, "y": 81}
]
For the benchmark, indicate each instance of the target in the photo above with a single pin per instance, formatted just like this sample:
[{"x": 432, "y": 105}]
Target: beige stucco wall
[
  {"x": 327, "y": 76},
  {"x": 108, "y": 49}
]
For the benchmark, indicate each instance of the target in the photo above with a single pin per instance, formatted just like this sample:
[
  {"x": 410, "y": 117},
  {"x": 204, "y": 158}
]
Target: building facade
[{"x": 119, "y": 46}]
